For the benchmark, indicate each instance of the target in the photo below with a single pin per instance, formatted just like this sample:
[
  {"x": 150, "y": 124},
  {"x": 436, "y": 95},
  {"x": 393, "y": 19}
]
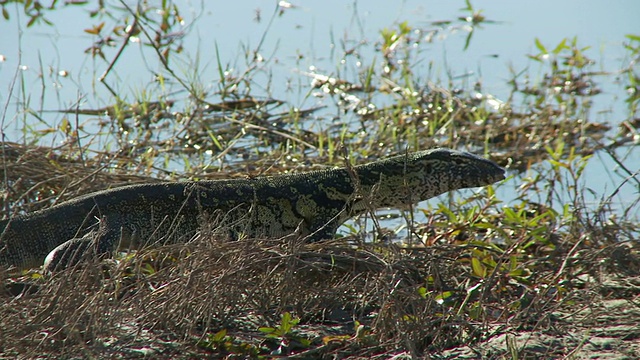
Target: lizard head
[
  {"x": 414, "y": 177},
  {"x": 456, "y": 170}
]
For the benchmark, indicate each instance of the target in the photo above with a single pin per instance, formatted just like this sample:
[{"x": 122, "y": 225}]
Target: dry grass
[
  {"x": 352, "y": 301},
  {"x": 36, "y": 176}
]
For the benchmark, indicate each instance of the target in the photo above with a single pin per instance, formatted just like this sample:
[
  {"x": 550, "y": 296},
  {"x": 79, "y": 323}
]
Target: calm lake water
[{"x": 311, "y": 34}]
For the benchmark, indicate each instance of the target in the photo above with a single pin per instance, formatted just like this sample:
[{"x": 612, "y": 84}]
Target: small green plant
[
  {"x": 633, "y": 75},
  {"x": 283, "y": 334},
  {"x": 473, "y": 20},
  {"x": 393, "y": 38},
  {"x": 362, "y": 335},
  {"x": 221, "y": 343}
]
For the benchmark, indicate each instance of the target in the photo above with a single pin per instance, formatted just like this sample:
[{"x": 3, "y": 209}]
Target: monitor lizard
[{"x": 311, "y": 205}]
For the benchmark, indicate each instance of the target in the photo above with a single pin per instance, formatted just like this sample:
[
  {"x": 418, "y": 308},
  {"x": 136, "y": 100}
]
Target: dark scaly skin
[{"x": 311, "y": 205}]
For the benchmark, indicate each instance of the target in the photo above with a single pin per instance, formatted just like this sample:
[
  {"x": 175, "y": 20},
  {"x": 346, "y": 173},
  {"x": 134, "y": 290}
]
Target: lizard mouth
[{"x": 491, "y": 173}]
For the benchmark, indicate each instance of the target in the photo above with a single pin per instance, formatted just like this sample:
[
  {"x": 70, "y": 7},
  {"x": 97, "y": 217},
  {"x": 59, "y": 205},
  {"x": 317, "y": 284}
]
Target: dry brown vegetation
[
  {"x": 545, "y": 275},
  {"x": 364, "y": 300}
]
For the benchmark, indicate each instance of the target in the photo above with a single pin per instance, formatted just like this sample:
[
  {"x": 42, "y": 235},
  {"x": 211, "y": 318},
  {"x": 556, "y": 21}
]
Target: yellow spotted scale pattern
[{"x": 309, "y": 205}]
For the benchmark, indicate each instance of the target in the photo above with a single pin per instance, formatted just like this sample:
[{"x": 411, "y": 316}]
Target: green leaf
[
  {"x": 304, "y": 342},
  {"x": 483, "y": 225},
  {"x": 444, "y": 295},
  {"x": 541, "y": 47},
  {"x": 219, "y": 336},
  {"x": 560, "y": 47},
  {"x": 266, "y": 329},
  {"x": 468, "y": 40},
  {"x": 475, "y": 312},
  {"x": 32, "y": 20},
  {"x": 422, "y": 291},
  {"x": 478, "y": 269},
  {"x": 510, "y": 214},
  {"x": 633, "y": 37},
  {"x": 537, "y": 58},
  {"x": 559, "y": 164}
]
